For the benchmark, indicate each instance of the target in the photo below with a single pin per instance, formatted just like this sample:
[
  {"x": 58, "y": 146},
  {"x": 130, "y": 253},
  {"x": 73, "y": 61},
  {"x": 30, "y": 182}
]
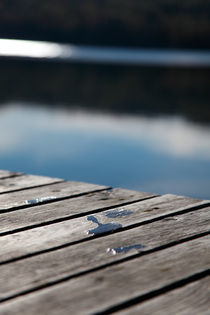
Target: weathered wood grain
[
  {"x": 103, "y": 289},
  {"x": 56, "y": 244},
  {"x": 192, "y": 299},
  {"x": 74, "y": 230},
  {"x": 68, "y": 261},
  {"x": 5, "y": 174},
  {"x": 25, "y": 181},
  {"x": 67, "y": 208},
  {"x": 39, "y": 195}
]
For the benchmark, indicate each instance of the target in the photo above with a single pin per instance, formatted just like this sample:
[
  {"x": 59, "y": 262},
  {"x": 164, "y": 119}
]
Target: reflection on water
[
  {"x": 94, "y": 54},
  {"x": 161, "y": 155},
  {"x": 140, "y": 127},
  {"x": 30, "y": 49},
  {"x": 130, "y": 90}
]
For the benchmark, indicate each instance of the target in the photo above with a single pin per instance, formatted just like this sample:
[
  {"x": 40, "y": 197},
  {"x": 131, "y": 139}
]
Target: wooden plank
[
  {"x": 192, "y": 299},
  {"x": 52, "y": 266},
  {"x": 66, "y": 209},
  {"x": 25, "y": 181},
  {"x": 75, "y": 230},
  {"x": 5, "y": 174},
  {"x": 111, "y": 286},
  {"x": 44, "y": 194}
]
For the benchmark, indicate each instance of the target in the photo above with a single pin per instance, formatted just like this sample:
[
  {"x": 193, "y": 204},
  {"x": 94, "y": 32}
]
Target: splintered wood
[{"x": 79, "y": 248}]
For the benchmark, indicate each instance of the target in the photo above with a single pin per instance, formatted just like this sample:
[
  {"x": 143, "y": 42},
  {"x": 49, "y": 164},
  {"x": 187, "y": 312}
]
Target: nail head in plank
[
  {"x": 69, "y": 261},
  {"x": 106, "y": 288},
  {"x": 75, "y": 230}
]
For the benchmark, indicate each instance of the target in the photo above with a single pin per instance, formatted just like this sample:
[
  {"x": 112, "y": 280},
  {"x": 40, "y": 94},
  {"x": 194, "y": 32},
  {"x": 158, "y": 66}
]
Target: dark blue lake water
[
  {"x": 82, "y": 113},
  {"x": 159, "y": 154}
]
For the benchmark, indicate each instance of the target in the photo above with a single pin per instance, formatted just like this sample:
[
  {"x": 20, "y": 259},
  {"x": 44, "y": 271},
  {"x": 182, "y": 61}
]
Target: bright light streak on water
[
  {"x": 73, "y": 53},
  {"x": 29, "y": 49},
  {"x": 161, "y": 155}
]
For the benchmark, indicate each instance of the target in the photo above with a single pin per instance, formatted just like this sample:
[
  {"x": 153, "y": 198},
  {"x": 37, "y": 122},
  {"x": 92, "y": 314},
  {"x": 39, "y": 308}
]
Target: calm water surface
[
  {"x": 110, "y": 141},
  {"x": 159, "y": 154}
]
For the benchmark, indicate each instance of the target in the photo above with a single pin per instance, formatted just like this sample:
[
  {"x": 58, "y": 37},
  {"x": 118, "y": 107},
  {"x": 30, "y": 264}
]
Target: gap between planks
[
  {"x": 24, "y": 182},
  {"x": 93, "y": 202},
  {"x": 159, "y": 293},
  {"x": 105, "y": 289},
  {"x": 193, "y": 298},
  {"x": 74, "y": 231},
  {"x": 50, "y": 283},
  {"x": 24, "y": 204},
  {"x": 199, "y": 235},
  {"x": 77, "y": 216},
  {"x": 177, "y": 231},
  {"x": 8, "y": 174},
  {"x": 34, "y": 197}
]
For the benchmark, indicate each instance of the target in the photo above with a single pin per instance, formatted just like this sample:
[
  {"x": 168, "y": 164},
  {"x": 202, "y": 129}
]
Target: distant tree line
[
  {"x": 144, "y": 23},
  {"x": 129, "y": 90}
]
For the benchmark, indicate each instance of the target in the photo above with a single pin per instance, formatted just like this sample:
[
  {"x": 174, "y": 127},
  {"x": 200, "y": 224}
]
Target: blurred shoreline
[
  {"x": 115, "y": 89},
  {"x": 146, "y": 23}
]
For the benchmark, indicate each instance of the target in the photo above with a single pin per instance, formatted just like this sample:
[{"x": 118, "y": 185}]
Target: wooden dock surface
[{"x": 78, "y": 248}]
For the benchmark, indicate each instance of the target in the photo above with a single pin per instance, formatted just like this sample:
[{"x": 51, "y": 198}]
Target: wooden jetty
[{"x": 78, "y": 248}]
